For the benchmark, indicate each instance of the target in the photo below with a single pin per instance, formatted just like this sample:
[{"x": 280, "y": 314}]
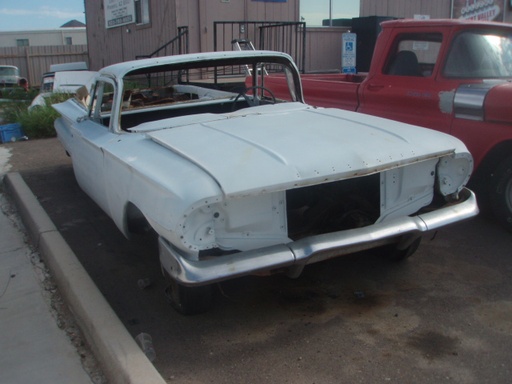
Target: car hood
[{"x": 277, "y": 147}]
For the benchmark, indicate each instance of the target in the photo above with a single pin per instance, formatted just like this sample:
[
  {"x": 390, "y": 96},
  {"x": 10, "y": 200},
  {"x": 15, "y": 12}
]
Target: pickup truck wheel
[
  {"x": 500, "y": 193},
  {"x": 189, "y": 300},
  {"x": 396, "y": 254}
]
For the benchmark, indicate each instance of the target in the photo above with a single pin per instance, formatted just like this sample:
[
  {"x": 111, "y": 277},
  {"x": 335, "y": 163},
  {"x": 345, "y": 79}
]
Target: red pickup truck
[{"x": 449, "y": 75}]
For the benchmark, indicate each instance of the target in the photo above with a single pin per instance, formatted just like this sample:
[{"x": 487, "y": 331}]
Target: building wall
[
  {"x": 112, "y": 45},
  {"x": 200, "y": 15},
  {"x": 44, "y": 37},
  {"x": 436, "y": 9},
  {"x": 107, "y": 46},
  {"x": 323, "y": 49},
  {"x": 34, "y": 61}
]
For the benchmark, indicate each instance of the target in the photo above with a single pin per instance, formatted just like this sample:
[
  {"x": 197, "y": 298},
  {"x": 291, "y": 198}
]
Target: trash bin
[{"x": 11, "y": 132}]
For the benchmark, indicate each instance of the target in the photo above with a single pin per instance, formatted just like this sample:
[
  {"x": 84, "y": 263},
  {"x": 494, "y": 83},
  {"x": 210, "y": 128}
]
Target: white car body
[
  {"x": 209, "y": 177},
  {"x": 69, "y": 82}
]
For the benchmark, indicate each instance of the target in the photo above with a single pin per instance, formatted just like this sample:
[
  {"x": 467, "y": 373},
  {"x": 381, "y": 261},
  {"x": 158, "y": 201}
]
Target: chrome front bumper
[{"x": 295, "y": 255}]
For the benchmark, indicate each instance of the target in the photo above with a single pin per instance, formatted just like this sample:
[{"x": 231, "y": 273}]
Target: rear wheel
[{"x": 500, "y": 193}]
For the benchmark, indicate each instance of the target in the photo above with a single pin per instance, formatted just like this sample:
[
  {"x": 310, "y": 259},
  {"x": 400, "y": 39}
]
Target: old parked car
[
  {"x": 69, "y": 83},
  {"x": 235, "y": 181},
  {"x": 9, "y": 76}
]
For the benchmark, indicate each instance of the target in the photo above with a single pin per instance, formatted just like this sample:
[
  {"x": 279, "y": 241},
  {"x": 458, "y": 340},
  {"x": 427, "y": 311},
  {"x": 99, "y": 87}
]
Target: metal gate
[{"x": 288, "y": 37}]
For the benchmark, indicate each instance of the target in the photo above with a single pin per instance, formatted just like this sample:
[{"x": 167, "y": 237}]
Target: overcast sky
[
  {"x": 20, "y": 15},
  {"x": 314, "y": 11}
]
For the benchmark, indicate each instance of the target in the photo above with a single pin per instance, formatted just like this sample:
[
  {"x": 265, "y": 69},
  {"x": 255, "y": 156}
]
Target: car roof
[
  {"x": 444, "y": 23},
  {"x": 121, "y": 69}
]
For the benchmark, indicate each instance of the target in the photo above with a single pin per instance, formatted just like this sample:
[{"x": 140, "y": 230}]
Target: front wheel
[
  {"x": 500, "y": 193},
  {"x": 189, "y": 300},
  {"x": 395, "y": 253}
]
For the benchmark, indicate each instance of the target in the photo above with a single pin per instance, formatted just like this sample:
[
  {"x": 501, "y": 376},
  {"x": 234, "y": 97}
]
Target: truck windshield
[
  {"x": 475, "y": 54},
  {"x": 8, "y": 71}
]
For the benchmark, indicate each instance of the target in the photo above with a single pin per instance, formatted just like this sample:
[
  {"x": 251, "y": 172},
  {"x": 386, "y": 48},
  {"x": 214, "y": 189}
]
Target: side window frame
[
  {"x": 418, "y": 44},
  {"x": 100, "y": 111}
]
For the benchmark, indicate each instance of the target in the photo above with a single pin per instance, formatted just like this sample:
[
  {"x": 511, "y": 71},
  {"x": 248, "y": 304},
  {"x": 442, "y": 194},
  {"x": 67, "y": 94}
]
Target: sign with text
[
  {"x": 348, "y": 53},
  {"x": 483, "y": 10},
  {"x": 119, "y": 12}
]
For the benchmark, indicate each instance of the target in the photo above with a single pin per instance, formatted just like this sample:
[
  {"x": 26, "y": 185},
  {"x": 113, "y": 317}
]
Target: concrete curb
[{"x": 121, "y": 358}]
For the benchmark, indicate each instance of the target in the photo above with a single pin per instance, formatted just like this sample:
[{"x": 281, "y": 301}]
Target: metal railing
[
  {"x": 177, "y": 46},
  {"x": 288, "y": 37}
]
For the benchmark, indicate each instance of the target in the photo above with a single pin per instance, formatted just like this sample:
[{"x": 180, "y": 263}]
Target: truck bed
[
  {"x": 344, "y": 96},
  {"x": 342, "y": 89}
]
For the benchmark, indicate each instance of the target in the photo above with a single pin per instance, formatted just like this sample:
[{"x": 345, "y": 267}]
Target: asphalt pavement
[
  {"x": 56, "y": 327},
  {"x": 443, "y": 316}
]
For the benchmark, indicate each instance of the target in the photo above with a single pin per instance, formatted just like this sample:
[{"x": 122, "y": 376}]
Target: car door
[
  {"x": 90, "y": 136},
  {"x": 405, "y": 87}
]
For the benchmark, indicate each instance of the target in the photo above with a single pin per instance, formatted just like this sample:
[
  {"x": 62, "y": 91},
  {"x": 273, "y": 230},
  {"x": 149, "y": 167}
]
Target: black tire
[
  {"x": 500, "y": 193},
  {"x": 189, "y": 300},
  {"x": 396, "y": 254}
]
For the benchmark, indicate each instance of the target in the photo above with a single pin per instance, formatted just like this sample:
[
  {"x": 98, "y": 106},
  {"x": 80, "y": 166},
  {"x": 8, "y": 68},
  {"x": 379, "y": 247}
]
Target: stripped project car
[{"x": 235, "y": 181}]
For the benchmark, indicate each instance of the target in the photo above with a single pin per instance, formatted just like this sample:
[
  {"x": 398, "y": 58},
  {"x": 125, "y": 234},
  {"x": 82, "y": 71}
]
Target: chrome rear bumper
[{"x": 297, "y": 254}]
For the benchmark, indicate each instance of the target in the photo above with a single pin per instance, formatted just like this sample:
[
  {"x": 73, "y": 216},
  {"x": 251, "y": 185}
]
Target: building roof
[{"x": 73, "y": 24}]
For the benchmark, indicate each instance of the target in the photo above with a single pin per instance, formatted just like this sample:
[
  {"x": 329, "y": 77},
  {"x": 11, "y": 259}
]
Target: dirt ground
[{"x": 444, "y": 315}]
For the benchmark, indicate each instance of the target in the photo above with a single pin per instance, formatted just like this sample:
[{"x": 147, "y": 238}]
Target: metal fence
[
  {"x": 34, "y": 61},
  {"x": 177, "y": 46},
  {"x": 288, "y": 37}
]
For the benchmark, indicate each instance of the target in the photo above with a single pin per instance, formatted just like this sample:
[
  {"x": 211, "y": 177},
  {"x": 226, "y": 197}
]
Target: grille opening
[{"x": 331, "y": 207}]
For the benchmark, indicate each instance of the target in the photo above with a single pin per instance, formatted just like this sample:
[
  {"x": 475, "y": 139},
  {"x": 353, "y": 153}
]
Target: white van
[{"x": 9, "y": 76}]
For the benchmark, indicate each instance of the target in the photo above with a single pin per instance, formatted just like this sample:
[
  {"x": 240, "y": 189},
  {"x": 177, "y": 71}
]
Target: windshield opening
[
  {"x": 8, "y": 71},
  {"x": 479, "y": 54},
  {"x": 204, "y": 87}
]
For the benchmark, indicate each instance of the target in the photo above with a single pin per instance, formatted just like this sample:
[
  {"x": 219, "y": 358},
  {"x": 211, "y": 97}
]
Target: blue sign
[{"x": 348, "y": 53}]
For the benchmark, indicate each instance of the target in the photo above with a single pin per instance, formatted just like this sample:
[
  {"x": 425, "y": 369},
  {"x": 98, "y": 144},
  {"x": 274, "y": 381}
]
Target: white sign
[
  {"x": 348, "y": 52},
  {"x": 119, "y": 12}
]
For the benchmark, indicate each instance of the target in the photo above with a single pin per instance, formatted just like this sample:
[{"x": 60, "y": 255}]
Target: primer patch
[{"x": 446, "y": 101}]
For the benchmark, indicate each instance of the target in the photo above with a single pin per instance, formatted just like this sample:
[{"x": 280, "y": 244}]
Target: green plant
[
  {"x": 38, "y": 122},
  {"x": 12, "y": 110},
  {"x": 18, "y": 93}
]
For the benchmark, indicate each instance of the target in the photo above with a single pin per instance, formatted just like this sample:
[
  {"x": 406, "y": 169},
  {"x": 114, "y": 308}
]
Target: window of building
[
  {"x": 22, "y": 42},
  {"x": 142, "y": 11},
  {"x": 69, "y": 41},
  {"x": 320, "y": 12}
]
